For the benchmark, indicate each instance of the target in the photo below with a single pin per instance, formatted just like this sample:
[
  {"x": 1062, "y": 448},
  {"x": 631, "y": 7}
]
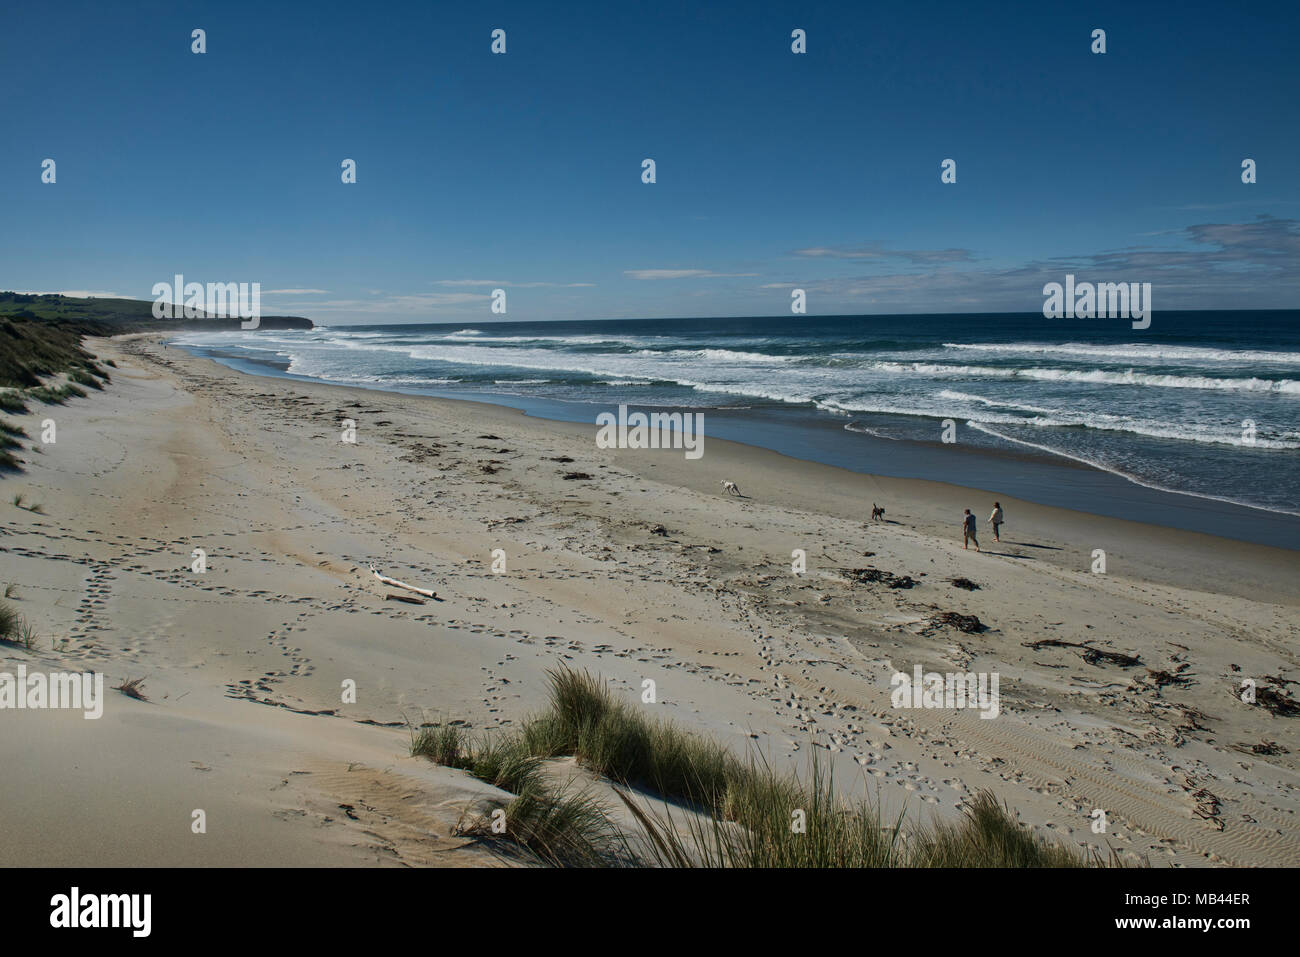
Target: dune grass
[
  {"x": 990, "y": 837},
  {"x": 440, "y": 743},
  {"x": 14, "y": 628},
  {"x": 20, "y": 500},
  {"x": 57, "y": 395},
  {"x": 9, "y": 444},
  {"x": 9, "y": 622},
  {"x": 27, "y": 634},
  {"x": 732, "y": 812},
  {"x": 82, "y": 377},
  {"x": 34, "y": 351},
  {"x": 558, "y": 826}
]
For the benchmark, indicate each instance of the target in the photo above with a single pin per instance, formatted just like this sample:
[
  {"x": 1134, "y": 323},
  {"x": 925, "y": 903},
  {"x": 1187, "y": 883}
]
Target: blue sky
[{"x": 774, "y": 170}]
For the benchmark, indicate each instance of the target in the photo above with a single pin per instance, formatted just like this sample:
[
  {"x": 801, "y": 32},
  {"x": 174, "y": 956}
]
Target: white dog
[{"x": 730, "y": 487}]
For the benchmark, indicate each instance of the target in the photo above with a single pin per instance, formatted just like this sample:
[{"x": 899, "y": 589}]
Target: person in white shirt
[{"x": 996, "y": 520}]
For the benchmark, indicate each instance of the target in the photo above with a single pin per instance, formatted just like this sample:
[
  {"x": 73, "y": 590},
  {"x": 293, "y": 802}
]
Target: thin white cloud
[
  {"x": 74, "y": 293},
  {"x": 296, "y": 292},
  {"x": 421, "y": 303},
  {"x": 1255, "y": 262},
  {"x": 684, "y": 274},
  {"x": 876, "y": 251},
  {"x": 513, "y": 285}
]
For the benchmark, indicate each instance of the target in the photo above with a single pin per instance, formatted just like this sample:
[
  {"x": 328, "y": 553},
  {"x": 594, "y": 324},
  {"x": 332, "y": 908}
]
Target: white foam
[
  {"x": 1126, "y": 475},
  {"x": 1148, "y": 352}
]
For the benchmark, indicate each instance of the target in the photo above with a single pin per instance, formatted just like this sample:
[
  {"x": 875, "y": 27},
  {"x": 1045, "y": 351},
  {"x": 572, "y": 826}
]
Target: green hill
[{"x": 114, "y": 316}]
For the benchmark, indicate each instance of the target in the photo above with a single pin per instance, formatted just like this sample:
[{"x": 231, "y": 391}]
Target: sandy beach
[{"x": 641, "y": 569}]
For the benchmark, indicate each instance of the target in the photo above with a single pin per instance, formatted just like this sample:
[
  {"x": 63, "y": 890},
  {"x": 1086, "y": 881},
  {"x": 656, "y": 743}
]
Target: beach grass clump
[
  {"x": 47, "y": 395},
  {"x": 557, "y": 826},
  {"x": 82, "y": 377},
  {"x": 20, "y": 500},
  {"x": 612, "y": 739},
  {"x": 57, "y": 395},
  {"x": 132, "y": 688},
  {"x": 564, "y": 826},
  {"x": 14, "y": 628},
  {"x": 9, "y": 444},
  {"x": 773, "y": 821},
  {"x": 989, "y": 836},
  {"x": 731, "y": 812},
  {"x": 10, "y": 622},
  {"x": 12, "y": 401},
  {"x": 441, "y": 743},
  {"x": 504, "y": 762}
]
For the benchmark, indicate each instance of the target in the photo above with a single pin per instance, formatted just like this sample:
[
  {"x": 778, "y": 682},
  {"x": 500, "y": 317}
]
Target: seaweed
[{"x": 1089, "y": 653}]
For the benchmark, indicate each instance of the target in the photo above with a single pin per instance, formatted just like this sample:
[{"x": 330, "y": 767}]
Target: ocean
[{"x": 1204, "y": 405}]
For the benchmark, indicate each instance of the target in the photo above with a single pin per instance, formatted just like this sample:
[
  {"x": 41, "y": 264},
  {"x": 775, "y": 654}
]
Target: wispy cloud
[
  {"x": 296, "y": 292},
  {"x": 876, "y": 251},
  {"x": 1256, "y": 264},
  {"x": 684, "y": 274},
  {"x": 75, "y": 293},
  {"x": 1236, "y": 204},
  {"x": 513, "y": 285},
  {"x": 397, "y": 305}
]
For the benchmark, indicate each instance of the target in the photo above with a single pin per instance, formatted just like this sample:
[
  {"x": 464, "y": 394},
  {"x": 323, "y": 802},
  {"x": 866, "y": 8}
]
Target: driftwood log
[{"x": 394, "y": 583}]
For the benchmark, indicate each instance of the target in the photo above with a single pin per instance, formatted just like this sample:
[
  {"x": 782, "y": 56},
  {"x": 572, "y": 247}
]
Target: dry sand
[{"x": 644, "y": 571}]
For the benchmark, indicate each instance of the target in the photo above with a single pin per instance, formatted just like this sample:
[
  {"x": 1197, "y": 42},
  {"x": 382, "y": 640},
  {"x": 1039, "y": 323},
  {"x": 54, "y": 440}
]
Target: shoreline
[
  {"x": 641, "y": 570},
  {"x": 1043, "y": 478}
]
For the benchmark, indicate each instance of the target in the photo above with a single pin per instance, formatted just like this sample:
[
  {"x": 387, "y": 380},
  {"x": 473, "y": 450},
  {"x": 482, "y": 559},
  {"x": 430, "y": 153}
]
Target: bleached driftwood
[{"x": 394, "y": 583}]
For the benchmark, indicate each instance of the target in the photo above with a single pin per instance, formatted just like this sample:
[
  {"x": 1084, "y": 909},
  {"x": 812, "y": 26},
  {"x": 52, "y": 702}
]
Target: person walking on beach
[
  {"x": 996, "y": 521},
  {"x": 968, "y": 538}
]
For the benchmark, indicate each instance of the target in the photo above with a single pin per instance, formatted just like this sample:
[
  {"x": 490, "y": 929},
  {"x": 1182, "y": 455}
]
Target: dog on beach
[
  {"x": 877, "y": 512},
  {"x": 730, "y": 488}
]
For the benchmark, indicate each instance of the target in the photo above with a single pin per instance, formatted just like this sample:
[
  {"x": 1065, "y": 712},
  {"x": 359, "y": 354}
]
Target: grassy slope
[
  {"x": 40, "y": 338},
  {"x": 31, "y": 351}
]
